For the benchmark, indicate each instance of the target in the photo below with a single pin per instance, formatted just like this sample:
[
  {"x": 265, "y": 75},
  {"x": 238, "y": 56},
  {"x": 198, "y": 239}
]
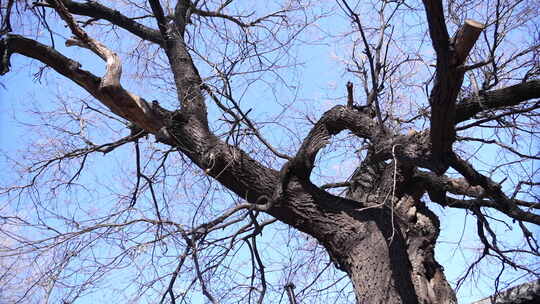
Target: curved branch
[
  {"x": 331, "y": 123},
  {"x": 111, "y": 80},
  {"x": 120, "y": 102}
]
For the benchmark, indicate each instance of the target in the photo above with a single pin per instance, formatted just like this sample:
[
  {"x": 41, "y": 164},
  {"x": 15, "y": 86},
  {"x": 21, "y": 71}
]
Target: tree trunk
[
  {"x": 389, "y": 261},
  {"x": 390, "y": 256}
]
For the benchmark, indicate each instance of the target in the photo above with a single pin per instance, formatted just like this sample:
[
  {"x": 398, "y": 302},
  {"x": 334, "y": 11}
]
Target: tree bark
[
  {"x": 397, "y": 267},
  {"x": 527, "y": 293},
  {"x": 391, "y": 259}
]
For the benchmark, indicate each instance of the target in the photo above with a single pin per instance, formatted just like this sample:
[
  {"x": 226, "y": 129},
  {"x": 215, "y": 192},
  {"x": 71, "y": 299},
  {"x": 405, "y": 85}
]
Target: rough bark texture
[{"x": 394, "y": 260}]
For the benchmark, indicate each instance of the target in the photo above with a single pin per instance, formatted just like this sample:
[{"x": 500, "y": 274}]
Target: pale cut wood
[{"x": 465, "y": 39}]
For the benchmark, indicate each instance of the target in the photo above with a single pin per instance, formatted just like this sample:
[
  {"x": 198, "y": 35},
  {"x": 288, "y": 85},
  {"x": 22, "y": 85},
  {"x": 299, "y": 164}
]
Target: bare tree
[{"x": 216, "y": 195}]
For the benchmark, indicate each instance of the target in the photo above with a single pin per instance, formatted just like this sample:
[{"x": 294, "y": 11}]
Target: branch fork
[{"x": 451, "y": 55}]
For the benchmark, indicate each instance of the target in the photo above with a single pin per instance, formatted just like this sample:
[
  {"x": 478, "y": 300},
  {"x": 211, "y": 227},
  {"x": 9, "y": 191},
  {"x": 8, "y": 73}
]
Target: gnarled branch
[{"x": 121, "y": 102}]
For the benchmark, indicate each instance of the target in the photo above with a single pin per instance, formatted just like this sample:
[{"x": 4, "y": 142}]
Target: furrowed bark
[{"x": 391, "y": 259}]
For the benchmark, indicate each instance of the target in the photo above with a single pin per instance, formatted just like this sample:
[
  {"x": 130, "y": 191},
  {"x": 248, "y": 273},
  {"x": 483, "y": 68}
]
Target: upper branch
[
  {"x": 374, "y": 60},
  {"x": 160, "y": 17},
  {"x": 98, "y": 11},
  {"x": 497, "y": 99},
  {"x": 437, "y": 28},
  {"x": 451, "y": 55},
  {"x": 233, "y": 19},
  {"x": 186, "y": 76}
]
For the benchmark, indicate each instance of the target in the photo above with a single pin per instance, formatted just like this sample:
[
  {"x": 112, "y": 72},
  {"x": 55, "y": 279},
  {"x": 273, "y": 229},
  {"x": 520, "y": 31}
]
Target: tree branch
[
  {"x": 237, "y": 21},
  {"x": 121, "y": 102},
  {"x": 458, "y": 186},
  {"x": 492, "y": 190},
  {"x": 243, "y": 118},
  {"x": 448, "y": 79},
  {"x": 331, "y": 123},
  {"x": 437, "y": 28},
  {"x": 98, "y": 11},
  {"x": 374, "y": 61},
  {"x": 477, "y": 203},
  {"x": 465, "y": 38},
  {"x": 497, "y": 99},
  {"x": 186, "y": 76},
  {"x": 111, "y": 80}
]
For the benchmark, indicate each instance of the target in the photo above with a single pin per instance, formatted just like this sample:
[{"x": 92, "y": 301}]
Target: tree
[{"x": 421, "y": 124}]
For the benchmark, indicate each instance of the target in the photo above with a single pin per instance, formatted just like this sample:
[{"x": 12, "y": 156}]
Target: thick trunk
[
  {"x": 379, "y": 267},
  {"x": 390, "y": 256},
  {"x": 393, "y": 260}
]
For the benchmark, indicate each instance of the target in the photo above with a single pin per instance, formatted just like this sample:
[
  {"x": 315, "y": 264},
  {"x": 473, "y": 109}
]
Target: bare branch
[
  {"x": 121, "y": 102},
  {"x": 98, "y": 11},
  {"x": 493, "y": 191},
  {"x": 448, "y": 78},
  {"x": 497, "y": 99}
]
